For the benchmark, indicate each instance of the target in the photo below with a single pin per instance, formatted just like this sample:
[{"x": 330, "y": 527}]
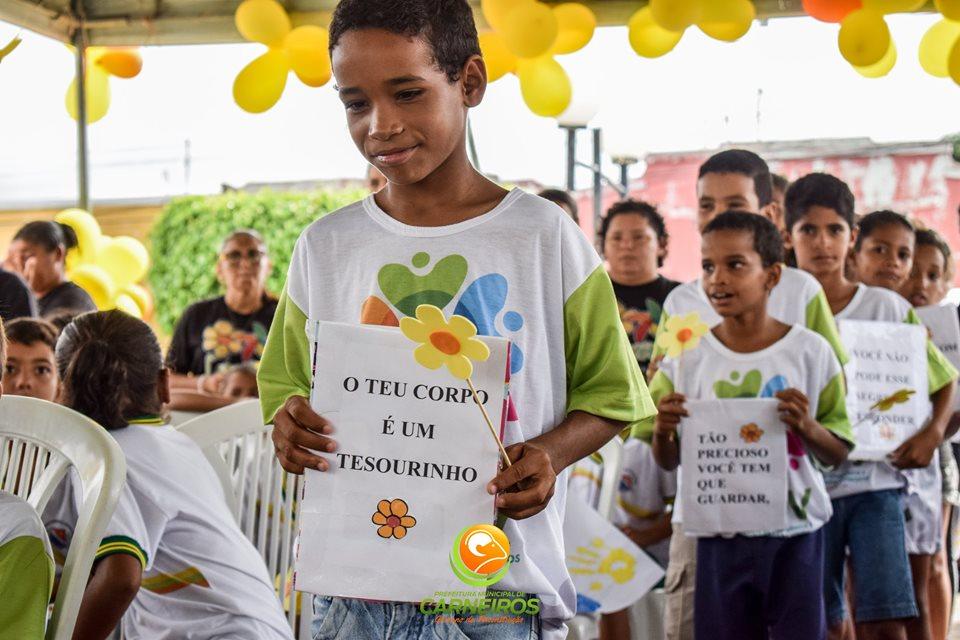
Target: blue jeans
[
  {"x": 349, "y": 619},
  {"x": 871, "y": 526}
]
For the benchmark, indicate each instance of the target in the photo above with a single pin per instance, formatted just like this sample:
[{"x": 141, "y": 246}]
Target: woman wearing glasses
[{"x": 216, "y": 335}]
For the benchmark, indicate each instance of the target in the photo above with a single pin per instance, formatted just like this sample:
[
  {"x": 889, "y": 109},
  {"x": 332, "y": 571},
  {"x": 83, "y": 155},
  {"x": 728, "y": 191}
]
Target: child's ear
[
  {"x": 787, "y": 240},
  {"x": 774, "y": 272},
  {"x": 473, "y": 79},
  {"x": 853, "y": 237},
  {"x": 163, "y": 386}
]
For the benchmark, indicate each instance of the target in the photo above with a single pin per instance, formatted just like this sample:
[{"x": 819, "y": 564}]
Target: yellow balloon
[
  {"x": 545, "y": 86},
  {"x": 499, "y": 59},
  {"x": 97, "y": 96},
  {"x": 142, "y": 297},
  {"x": 530, "y": 30},
  {"x": 87, "y": 229},
  {"x": 864, "y": 37},
  {"x": 893, "y": 6},
  {"x": 263, "y": 21},
  {"x": 306, "y": 47},
  {"x": 953, "y": 64},
  {"x": 727, "y": 20},
  {"x": 125, "y": 259},
  {"x": 883, "y": 67},
  {"x": 936, "y": 45},
  {"x": 949, "y": 8},
  {"x": 676, "y": 15},
  {"x": 128, "y": 305},
  {"x": 495, "y": 11},
  {"x": 648, "y": 38},
  {"x": 576, "y": 24},
  {"x": 121, "y": 62},
  {"x": 260, "y": 84},
  {"x": 96, "y": 282}
]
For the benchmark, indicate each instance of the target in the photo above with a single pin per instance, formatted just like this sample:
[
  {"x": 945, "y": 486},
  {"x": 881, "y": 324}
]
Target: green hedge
[{"x": 186, "y": 238}]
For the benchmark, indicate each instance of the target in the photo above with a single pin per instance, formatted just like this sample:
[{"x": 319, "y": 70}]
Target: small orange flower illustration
[
  {"x": 392, "y": 517},
  {"x": 751, "y": 433},
  {"x": 222, "y": 339}
]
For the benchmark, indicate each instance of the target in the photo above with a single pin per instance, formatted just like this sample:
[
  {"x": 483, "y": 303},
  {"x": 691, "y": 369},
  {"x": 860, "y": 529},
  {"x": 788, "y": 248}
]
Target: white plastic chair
[
  {"x": 39, "y": 442},
  {"x": 261, "y": 495}
]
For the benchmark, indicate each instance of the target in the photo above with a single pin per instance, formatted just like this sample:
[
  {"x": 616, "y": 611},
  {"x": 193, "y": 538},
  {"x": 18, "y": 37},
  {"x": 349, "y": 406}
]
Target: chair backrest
[
  {"x": 612, "y": 454},
  {"x": 261, "y": 495},
  {"x": 39, "y": 443}
]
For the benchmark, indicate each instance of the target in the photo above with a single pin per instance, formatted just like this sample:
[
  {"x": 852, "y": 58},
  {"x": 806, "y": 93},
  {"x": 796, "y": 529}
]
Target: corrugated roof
[{"x": 151, "y": 22}]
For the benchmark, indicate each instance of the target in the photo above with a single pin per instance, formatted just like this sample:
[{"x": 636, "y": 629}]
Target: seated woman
[
  {"x": 216, "y": 334},
  {"x": 173, "y": 562},
  {"x": 38, "y": 254}
]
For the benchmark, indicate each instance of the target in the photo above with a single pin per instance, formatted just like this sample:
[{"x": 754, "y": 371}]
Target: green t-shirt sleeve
[
  {"x": 820, "y": 320},
  {"x": 284, "y": 369},
  {"x": 832, "y": 410},
  {"x": 940, "y": 372},
  {"x": 603, "y": 377},
  {"x": 26, "y": 580},
  {"x": 660, "y": 386}
]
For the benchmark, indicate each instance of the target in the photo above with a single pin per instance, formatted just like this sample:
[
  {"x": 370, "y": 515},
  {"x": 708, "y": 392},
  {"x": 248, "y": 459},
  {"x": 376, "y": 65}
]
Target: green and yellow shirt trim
[{"x": 112, "y": 545}]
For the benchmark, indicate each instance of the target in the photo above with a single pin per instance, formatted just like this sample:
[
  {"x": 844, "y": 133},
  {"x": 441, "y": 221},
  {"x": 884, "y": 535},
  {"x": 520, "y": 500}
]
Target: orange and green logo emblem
[{"x": 480, "y": 555}]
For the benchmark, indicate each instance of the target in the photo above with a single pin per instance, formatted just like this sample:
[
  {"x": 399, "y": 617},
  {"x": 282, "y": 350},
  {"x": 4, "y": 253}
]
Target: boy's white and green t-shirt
[
  {"x": 201, "y": 577},
  {"x": 26, "y": 570},
  {"x": 882, "y": 305},
  {"x": 523, "y": 271},
  {"x": 800, "y": 360},
  {"x": 797, "y": 299}
]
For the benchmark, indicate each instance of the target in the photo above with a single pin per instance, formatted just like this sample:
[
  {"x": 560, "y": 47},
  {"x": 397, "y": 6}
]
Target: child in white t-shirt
[
  {"x": 868, "y": 522},
  {"x": 173, "y": 563},
  {"x": 764, "y": 583}
]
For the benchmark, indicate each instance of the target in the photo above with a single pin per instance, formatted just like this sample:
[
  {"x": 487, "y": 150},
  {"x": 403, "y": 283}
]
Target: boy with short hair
[
  {"x": 26, "y": 562},
  {"x": 31, "y": 368},
  {"x": 759, "y": 584},
  {"x": 439, "y": 232},
  {"x": 737, "y": 180}
]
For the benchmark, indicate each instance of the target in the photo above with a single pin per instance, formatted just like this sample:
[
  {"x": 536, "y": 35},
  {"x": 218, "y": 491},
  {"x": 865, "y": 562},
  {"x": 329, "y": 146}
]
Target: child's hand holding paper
[{"x": 297, "y": 429}]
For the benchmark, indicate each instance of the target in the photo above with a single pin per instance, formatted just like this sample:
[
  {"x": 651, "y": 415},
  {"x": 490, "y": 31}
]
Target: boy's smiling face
[
  {"x": 734, "y": 278},
  {"x": 821, "y": 240},
  {"x": 719, "y": 192},
  {"x": 928, "y": 282},
  {"x": 30, "y": 371},
  {"x": 886, "y": 256},
  {"x": 404, "y": 114}
]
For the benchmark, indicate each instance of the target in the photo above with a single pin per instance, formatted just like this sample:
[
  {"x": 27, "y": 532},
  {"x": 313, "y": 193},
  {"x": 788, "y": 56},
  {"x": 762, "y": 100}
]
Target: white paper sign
[
  {"x": 609, "y": 571},
  {"x": 733, "y": 457},
  {"x": 885, "y": 357},
  {"x": 404, "y": 433},
  {"x": 944, "y": 326}
]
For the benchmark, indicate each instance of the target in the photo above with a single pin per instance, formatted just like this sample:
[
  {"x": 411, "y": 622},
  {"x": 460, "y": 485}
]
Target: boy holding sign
[
  {"x": 765, "y": 582},
  {"x": 440, "y": 233},
  {"x": 867, "y": 496}
]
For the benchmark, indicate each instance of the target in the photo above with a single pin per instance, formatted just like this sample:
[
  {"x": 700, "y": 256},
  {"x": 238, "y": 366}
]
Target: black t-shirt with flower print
[
  {"x": 211, "y": 337},
  {"x": 641, "y": 307}
]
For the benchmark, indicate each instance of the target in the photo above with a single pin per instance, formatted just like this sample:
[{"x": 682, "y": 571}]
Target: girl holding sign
[
  {"x": 763, "y": 583},
  {"x": 867, "y": 497},
  {"x": 925, "y": 289}
]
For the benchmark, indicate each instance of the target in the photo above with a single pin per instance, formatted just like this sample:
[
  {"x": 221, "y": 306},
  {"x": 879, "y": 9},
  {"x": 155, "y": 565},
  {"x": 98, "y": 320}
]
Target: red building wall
[{"x": 923, "y": 185}]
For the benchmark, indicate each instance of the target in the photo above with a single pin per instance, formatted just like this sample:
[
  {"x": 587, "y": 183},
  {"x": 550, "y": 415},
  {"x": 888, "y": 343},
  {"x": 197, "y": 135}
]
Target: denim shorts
[
  {"x": 871, "y": 526},
  {"x": 348, "y": 619}
]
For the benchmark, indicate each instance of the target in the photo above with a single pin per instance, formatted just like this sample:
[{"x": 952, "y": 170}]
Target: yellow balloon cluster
[
  {"x": 303, "y": 50},
  {"x": 940, "y": 46},
  {"x": 658, "y": 27},
  {"x": 107, "y": 268},
  {"x": 526, "y": 36},
  {"x": 101, "y": 63}
]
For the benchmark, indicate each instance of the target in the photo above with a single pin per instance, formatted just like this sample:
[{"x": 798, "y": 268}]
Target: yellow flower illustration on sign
[
  {"x": 222, "y": 339},
  {"x": 600, "y": 560},
  {"x": 392, "y": 517},
  {"x": 444, "y": 343},
  {"x": 898, "y": 397},
  {"x": 751, "y": 433},
  {"x": 681, "y": 333}
]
